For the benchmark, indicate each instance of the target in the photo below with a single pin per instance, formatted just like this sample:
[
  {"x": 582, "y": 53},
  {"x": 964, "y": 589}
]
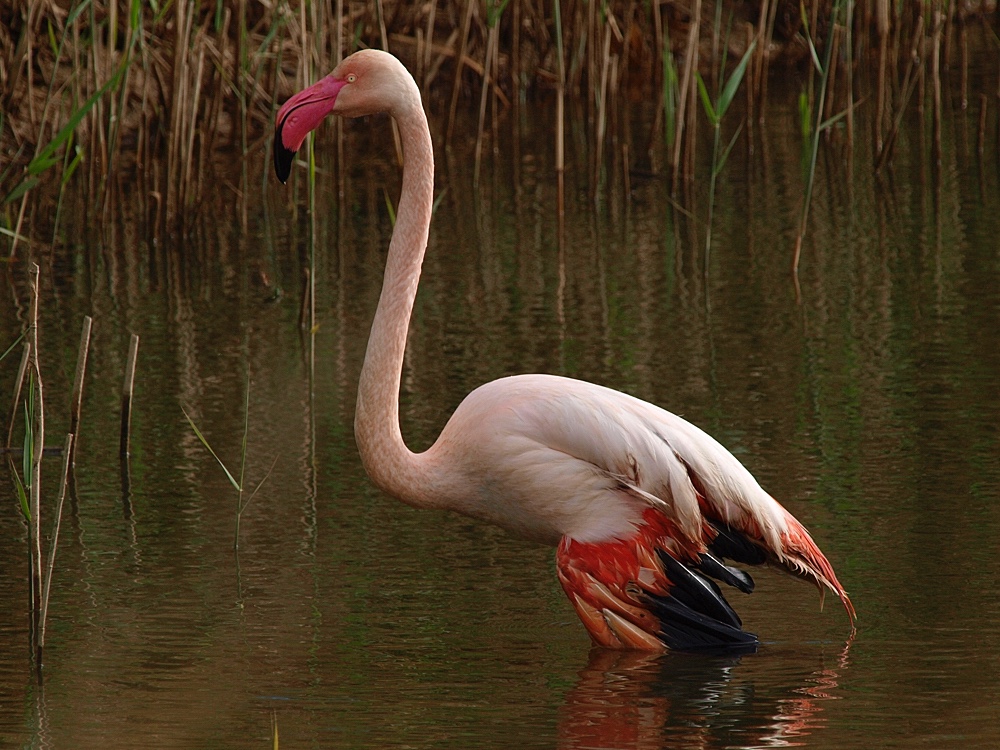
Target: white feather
[{"x": 545, "y": 456}]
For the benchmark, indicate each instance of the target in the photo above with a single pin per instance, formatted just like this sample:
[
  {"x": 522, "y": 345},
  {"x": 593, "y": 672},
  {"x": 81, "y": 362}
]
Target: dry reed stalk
[
  {"x": 882, "y": 76},
  {"x": 380, "y": 15},
  {"x": 945, "y": 8},
  {"x": 495, "y": 95},
  {"x": 126, "y": 422},
  {"x": 428, "y": 43},
  {"x": 750, "y": 87},
  {"x": 831, "y": 87},
  {"x": 981, "y": 137},
  {"x": 338, "y": 42},
  {"x": 758, "y": 65},
  {"x": 588, "y": 54},
  {"x": 470, "y": 6},
  {"x": 756, "y": 68},
  {"x": 686, "y": 89},
  {"x": 516, "y": 80},
  {"x": 53, "y": 547},
  {"x": 560, "y": 106},
  {"x": 659, "y": 50},
  {"x": 185, "y": 196},
  {"x": 850, "y": 88},
  {"x": 114, "y": 112},
  {"x": 303, "y": 71},
  {"x": 305, "y": 314},
  {"x": 81, "y": 368},
  {"x": 912, "y": 76},
  {"x": 602, "y": 104},
  {"x": 964, "y": 51},
  {"x": 183, "y": 24},
  {"x": 491, "y": 44},
  {"x": 936, "y": 82},
  {"x": 38, "y": 432}
]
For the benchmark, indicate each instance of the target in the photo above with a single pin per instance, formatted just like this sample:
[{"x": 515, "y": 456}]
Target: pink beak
[{"x": 297, "y": 117}]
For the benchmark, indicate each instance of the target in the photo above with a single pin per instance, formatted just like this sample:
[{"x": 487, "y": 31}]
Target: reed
[
  {"x": 189, "y": 84},
  {"x": 814, "y": 118},
  {"x": 715, "y": 111},
  {"x": 53, "y": 548},
  {"x": 76, "y": 399},
  {"x": 28, "y": 478},
  {"x": 127, "y": 389},
  {"x": 35, "y": 428},
  {"x": 238, "y": 484}
]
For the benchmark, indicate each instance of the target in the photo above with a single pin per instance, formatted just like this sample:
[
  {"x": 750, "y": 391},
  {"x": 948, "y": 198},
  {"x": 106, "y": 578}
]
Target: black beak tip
[{"x": 283, "y": 157}]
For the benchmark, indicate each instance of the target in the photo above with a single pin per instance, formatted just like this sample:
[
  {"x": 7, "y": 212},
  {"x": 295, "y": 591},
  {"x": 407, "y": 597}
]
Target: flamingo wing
[{"x": 645, "y": 508}]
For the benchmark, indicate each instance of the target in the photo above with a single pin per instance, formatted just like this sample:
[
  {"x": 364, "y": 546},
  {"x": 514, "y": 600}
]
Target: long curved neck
[{"x": 390, "y": 464}]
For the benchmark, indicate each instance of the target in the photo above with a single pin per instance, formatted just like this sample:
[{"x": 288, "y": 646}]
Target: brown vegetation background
[{"x": 157, "y": 89}]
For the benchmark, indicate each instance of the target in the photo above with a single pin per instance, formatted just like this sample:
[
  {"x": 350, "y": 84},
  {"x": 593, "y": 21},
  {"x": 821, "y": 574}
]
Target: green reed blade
[
  {"x": 706, "y": 101},
  {"x": 197, "y": 432},
  {"x": 729, "y": 90}
]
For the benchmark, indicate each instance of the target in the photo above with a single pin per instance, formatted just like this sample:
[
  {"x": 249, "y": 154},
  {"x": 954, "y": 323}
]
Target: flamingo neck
[{"x": 389, "y": 463}]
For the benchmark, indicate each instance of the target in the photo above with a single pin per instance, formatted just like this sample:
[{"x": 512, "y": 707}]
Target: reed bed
[
  {"x": 27, "y": 479},
  {"x": 156, "y": 94}
]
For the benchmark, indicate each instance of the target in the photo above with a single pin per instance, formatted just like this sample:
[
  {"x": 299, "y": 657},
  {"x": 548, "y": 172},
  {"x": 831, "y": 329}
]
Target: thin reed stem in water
[
  {"x": 819, "y": 126},
  {"x": 127, "y": 387},
  {"x": 76, "y": 399},
  {"x": 53, "y": 547},
  {"x": 37, "y": 429}
]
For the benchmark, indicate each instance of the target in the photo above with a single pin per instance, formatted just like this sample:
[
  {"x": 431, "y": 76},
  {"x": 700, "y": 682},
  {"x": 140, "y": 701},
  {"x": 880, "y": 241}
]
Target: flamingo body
[{"x": 642, "y": 506}]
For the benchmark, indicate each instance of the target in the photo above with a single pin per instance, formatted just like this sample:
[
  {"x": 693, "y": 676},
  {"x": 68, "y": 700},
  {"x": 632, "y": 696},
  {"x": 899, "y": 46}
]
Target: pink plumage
[{"x": 643, "y": 506}]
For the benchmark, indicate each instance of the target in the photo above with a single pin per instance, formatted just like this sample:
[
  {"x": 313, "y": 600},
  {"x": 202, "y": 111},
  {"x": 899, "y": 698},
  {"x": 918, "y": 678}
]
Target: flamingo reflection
[{"x": 649, "y": 701}]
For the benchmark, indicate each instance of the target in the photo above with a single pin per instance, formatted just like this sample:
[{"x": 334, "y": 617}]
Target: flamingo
[{"x": 645, "y": 509}]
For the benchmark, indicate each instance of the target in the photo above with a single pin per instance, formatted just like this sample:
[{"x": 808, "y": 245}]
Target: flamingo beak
[{"x": 298, "y": 117}]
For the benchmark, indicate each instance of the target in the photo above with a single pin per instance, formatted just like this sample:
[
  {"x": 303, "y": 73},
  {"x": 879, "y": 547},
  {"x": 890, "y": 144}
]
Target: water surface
[{"x": 866, "y": 401}]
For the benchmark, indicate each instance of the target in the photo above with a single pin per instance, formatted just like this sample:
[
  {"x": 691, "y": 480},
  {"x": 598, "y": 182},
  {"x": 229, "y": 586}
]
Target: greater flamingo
[{"x": 642, "y": 506}]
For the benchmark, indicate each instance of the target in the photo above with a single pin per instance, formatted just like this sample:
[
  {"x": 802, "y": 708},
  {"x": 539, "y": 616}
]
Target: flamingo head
[{"x": 367, "y": 82}]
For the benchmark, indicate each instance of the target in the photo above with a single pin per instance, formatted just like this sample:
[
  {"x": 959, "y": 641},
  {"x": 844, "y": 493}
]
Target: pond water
[{"x": 866, "y": 401}]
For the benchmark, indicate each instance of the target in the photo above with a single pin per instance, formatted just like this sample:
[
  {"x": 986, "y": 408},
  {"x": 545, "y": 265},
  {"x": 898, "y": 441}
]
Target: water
[{"x": 867, "y": 403}]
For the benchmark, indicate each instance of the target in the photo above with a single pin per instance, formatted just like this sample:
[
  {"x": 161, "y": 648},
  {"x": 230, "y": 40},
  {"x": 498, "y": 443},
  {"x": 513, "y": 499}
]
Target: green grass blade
[
  {"x": 434, "y": 207},
  {"x": 494, "y": 11},
  {"x": 208, "y": 447},
  {"x": 46, "y": 154},
  {"x": 805, "y": 116},
  {"x": 729, "y": 90},
  {"x": 20, "y": 189},
  {"x": 389, "y": 206},
  {"x": 13, "y": 161},
  {"x": 246, "y": 430},
  {"x": 725, "y": 154},
  {"x": 53, "y": 44},
  {"x": 29, "y": 433},
  {"x": 11, "y": 347},
  {"x": 706, "y": 101},
  {"x": 75, "y": 13},
  {"x": 22, "y": 496},
  {"x": 829, "y": 123},
  {"x": 809, "y": 39},
  {"x": 71, "y": 168},
  {"x": 670, "y": 84},
  {"x": 259, "y": 485}
]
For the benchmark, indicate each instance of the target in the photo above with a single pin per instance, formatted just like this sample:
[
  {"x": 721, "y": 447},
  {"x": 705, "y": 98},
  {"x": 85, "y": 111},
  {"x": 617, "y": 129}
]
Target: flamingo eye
[{"x": 351, "y": 77}]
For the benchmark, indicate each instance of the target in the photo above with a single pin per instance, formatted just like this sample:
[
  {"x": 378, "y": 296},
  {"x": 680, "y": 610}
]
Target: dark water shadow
[{"x": 774, "y": 698}]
